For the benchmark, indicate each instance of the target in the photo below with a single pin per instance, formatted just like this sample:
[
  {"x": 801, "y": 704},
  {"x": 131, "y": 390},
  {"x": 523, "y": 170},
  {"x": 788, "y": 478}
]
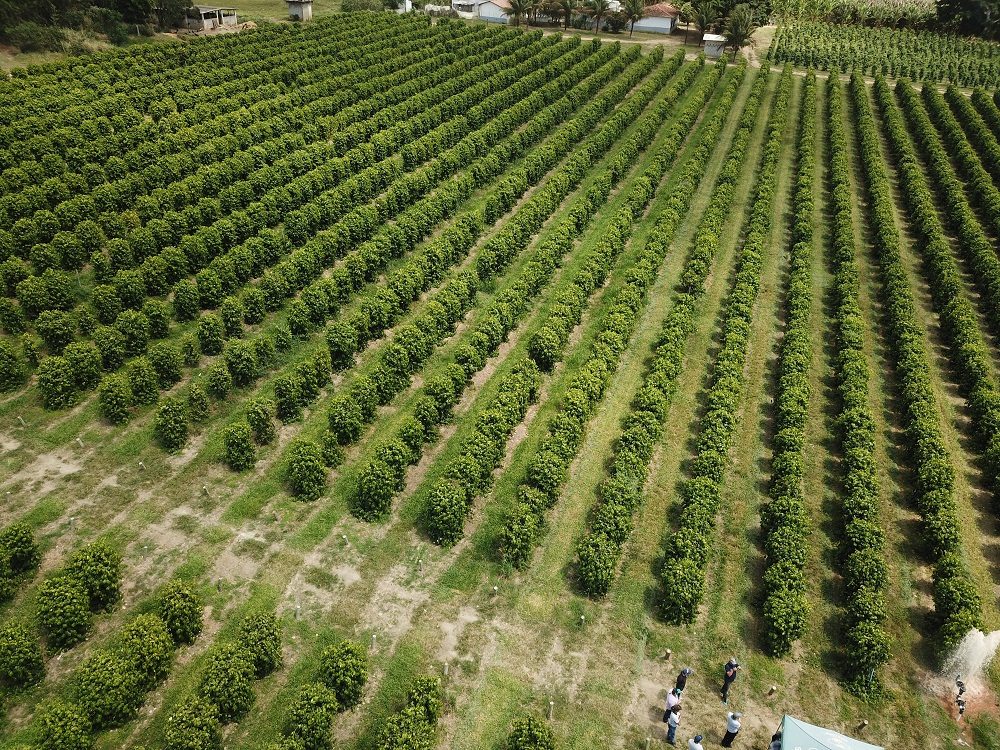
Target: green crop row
[
  {"x": 783, "y": 519},
  {"x": 687, "y": 549}
]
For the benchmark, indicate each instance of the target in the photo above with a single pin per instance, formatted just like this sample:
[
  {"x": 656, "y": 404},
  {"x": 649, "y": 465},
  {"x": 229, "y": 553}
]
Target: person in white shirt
[
  {"x": 733, "y": 725},
  {"x": 673, "y": 721},
  {"x": 673, "y": 698},
  {"x": 695, "y": 743}
]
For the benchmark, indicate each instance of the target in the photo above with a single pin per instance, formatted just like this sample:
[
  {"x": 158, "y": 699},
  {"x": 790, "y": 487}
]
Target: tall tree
[
  {"x": 705, "y": 15},
  {"x": 600, "y": 8},
  {"x": 740, "y": 27},
  {"x": 686, "y": 14},
  {"x": 569, "y": 7},
  {"x": 517, "y": 9},
  {"x": 634, "y": 10}
]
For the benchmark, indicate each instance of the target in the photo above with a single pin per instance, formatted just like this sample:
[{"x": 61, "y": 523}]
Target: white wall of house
[
  {"x": 656, "y": 25},
  {"x": 490, "y": 11}
]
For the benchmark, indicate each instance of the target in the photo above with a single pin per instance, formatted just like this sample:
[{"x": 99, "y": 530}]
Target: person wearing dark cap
[
  {"x": 733, "y": 725},
  {"x": 695, "y": 743},
  {"x": 775, "y": 741},
  {"x": 682, "y": 678},
  {"x": 729, "y": 677},
  {"x": 673, "y": 721}
]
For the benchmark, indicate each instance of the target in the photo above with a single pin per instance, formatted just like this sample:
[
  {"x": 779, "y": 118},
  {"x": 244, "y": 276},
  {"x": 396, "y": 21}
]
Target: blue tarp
[{"x": 797, "y": 735}]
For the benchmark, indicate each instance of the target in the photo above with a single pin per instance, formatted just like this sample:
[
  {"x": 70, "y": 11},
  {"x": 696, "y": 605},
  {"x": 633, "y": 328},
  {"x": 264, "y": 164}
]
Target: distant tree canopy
[
  {"x": 976, "y": 17},
  {"x": 74, "y": 13}
]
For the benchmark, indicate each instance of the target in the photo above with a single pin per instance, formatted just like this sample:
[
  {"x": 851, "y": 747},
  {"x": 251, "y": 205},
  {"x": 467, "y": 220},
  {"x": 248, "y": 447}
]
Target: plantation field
[{"x": 369, "y": 383}]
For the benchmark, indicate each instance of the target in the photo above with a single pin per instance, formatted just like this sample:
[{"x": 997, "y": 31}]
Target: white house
[
  {"x": 660, "y": 18},
  {"x": 493, "y": 11},
  {"x": 715, "y": 46},
  {"x": 207, "y": 18}
]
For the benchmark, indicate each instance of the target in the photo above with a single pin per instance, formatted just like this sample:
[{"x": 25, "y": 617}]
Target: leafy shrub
[
  {"x": 197, "y": 402},
  {"x": 56, "y": 329},
  {"x": 376, "y": 488},
  {"x": 143, "y": 381},
  {"x": 288, "y": 397},
  {"x": 530, "y": 733},
  {"x": 167, "y": 362},
  {"x": 29, "y": 36},
  {"x": 342, "y": 342},
  {"x": 111, "y": 343},
  {"x": 240, "y": 454},
  {"x": 306, "y": 471},
  {"x": 259, "y": 417},
  {"x": 56, "y": 383},
  {"x": 63, "y": 612},
  {"x": 20, "y": 657},
  {"x": 310, "y": 717},
  {"x": 180, "y": 609},
  {"x": 12, "y": 367},
  {"x": 115, "y": 397},
  {"x": 260, "y": 637},
  {"x": 108, "y": 689},
  {"x": 18, "y": 548},
  {"x": 63, "y": 726},
  {"x": 227, "y": 682},
  {"x": 85, "y": 363},
  {"x": 148, "y": 647},
  {"x": 344, "y": 669},
  {"x": 134, "y": 327},
  {"x": 241, "y": 361},
  {"x": 194, "y": 726},
  {"x": 211, "y": 334},
  {"x": 98, "y": 566},
  {"x": 170, "y": 427},
  {"x": 220, "y": 381}
]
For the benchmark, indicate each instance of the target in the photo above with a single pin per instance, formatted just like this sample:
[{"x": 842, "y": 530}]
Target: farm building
[
  {"x": 715, "y": 45},
  {"x": 493, "y": 11},
  {"x": 660, "y": 18},
  {"x": 300, "y": 10},
  {"x": 206, "y": 17}
]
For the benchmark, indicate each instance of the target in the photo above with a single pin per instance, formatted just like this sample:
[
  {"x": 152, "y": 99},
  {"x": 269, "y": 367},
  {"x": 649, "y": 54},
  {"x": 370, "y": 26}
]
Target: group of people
[{"x": 672, "y": 712}]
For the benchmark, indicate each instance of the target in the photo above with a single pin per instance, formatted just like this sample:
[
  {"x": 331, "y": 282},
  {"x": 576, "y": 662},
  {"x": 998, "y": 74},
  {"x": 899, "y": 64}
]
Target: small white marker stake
[
  {"x": 79, "y": 442},
  {"x": 446, "y": 669},
  {"x": 551, "y": 706},
  {"x": 373, "y": 641},
  {"x": 142, "y": 466},
  {"x": 773, "y": 690},
  {"x": 496, "y": 590},
  {"x": 204, "y": 490},
  {"x": 21, "y": 420},
  {"x": 668, "y": 654}
]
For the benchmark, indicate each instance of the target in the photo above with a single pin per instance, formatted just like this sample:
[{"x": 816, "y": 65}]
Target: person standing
[
  {"x": 733, "y": 725},
  {"x": 682, "y": 678},
  {"x": 673, "y": 698},
  {"x": 673, "y": 721},
  {"x": 730, "y": 671},
  {"x": 695, "y": 743}
]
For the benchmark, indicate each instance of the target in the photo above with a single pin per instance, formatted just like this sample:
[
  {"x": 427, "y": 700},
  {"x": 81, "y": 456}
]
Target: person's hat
[
  {"x": 737, "y": 714},
  {"x": 698, "y": 738}
]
